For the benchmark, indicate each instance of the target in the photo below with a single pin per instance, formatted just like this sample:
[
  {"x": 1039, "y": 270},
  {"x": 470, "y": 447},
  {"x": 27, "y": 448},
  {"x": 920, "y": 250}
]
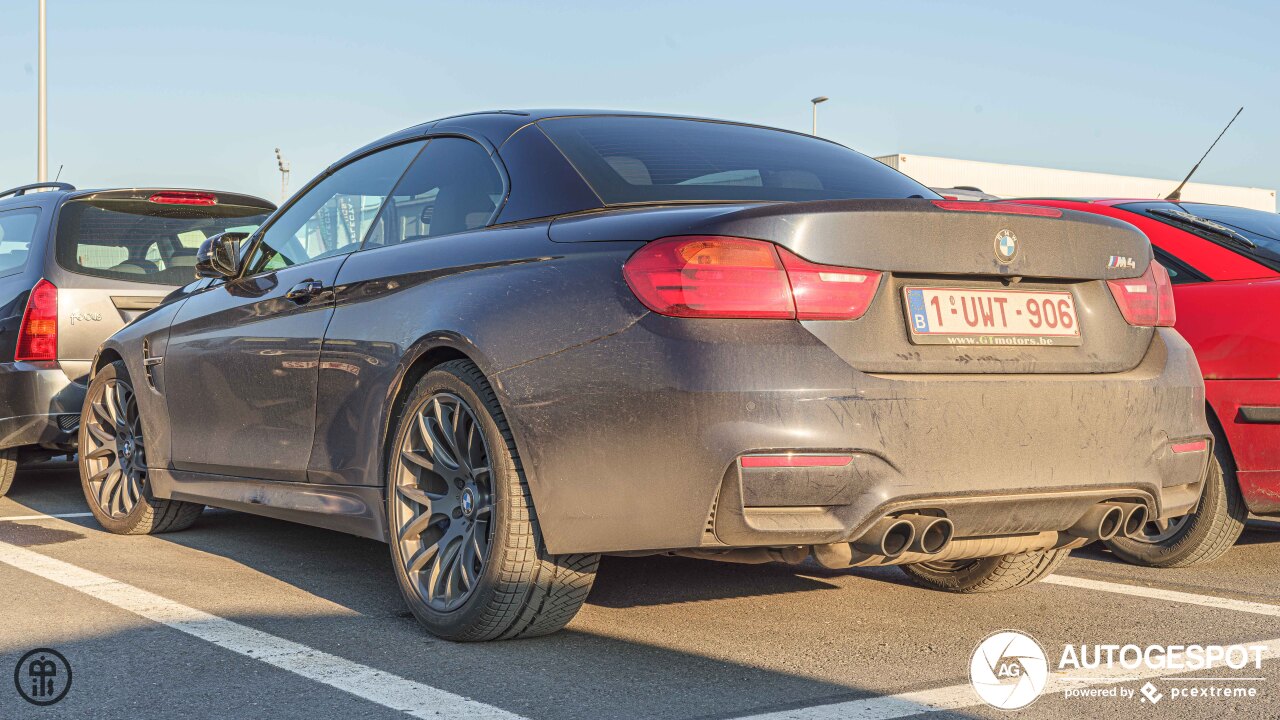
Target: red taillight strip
[
  {"x": 181, "y": 197},
  {"x": 1190, "y": 447},
  {"x": 794, "y": 460},
  {"x": 998, "y": 207}
]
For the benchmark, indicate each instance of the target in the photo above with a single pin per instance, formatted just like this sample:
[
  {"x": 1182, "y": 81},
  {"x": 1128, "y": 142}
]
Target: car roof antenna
[
  {"x": 1176, "y": 195},
  {"x": 55, "y": 177}
]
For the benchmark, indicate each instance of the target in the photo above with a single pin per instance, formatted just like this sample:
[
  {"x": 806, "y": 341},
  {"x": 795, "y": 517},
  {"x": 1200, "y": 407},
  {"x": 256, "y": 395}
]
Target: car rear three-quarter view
[
  {"x": 75, "y": 266},
  {"x": 507, "y": 343}
]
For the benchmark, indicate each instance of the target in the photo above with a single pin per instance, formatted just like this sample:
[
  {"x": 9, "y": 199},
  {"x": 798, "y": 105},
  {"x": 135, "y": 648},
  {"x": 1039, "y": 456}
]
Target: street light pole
[
  {"x": 816, "y": 101},
  {"x": 42, "y": 111}
]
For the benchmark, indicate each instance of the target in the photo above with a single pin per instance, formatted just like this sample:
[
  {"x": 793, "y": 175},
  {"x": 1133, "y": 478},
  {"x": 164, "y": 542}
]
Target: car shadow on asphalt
[{"x": 576, "y": 673}]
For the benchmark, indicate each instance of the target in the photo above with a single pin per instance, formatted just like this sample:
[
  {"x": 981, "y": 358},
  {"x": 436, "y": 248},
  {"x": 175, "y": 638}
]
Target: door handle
[{"x": 304, "y": 291}]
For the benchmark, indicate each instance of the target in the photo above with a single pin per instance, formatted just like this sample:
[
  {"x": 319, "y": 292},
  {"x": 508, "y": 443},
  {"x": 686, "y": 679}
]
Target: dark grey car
[
  {"x": 75, "y": 266},
  {"x": 508, "y": 342}
]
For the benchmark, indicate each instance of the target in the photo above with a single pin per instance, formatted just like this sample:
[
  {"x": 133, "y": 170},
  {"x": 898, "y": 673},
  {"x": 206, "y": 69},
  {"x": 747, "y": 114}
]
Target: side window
[
  {"x": 17, "y": 229},
  {"x": 1180, "y": 273},
  {"x": 333, "y": 217},
  {"x": 452, "y": 186}
]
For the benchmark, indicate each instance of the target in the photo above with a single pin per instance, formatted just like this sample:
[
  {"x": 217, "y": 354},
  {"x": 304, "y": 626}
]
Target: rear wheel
[
  {"x": 8, "y": 468},
  {"x": 113, "y": 462},
  {"x": 984, "y": 575},
  {"x": 465, "y": 542},
  {"x": 1202, "y": 536}
]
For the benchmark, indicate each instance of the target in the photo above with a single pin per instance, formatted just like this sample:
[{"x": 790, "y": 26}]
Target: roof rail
[{"x": 24, "y": 189}]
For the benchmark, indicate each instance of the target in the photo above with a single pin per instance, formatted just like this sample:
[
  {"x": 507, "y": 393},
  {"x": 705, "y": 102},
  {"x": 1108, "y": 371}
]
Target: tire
[
  {"x": 489, "y": 575},
  {"x": 1200, "y": 537},
  {"x": 112, "y": 459},
  {"x": 8, "y": 468},
  {"x": 986, "y": 575}
]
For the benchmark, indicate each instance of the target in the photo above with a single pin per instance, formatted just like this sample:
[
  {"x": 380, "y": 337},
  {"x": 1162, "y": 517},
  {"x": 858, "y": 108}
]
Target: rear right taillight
[
  {"x": 709, "y": 276},
  {"x": 1146, "y": 300},
  {"x": 38, "y": 334}
]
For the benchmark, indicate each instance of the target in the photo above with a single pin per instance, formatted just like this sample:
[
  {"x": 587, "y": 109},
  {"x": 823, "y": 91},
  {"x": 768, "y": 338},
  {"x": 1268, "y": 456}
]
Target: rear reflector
[
  {"x": 998, "y": 207},
  {"x": 708, "y": 276},
  {"x": 792, "y": 460},
  {"x": 1146, "y": 300},
  {"x": 181, "y": 197},
  {"x": 1190, "y": 447},
  {"x": 38, "y": 333}
]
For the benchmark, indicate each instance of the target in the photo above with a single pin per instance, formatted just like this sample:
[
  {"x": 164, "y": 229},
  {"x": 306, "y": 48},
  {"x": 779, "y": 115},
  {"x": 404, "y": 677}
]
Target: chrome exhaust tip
[
  {"x": 890, "y": 537},
  {"x": 1135, "y": 520},
  {"x": 1100, "y": 522},
  {"x": 932, "y": 534}
]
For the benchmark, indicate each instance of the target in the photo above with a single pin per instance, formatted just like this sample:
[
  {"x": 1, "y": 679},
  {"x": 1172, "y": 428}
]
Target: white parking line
[
  {"x": 12, "y": 518},
  {"x": 1210, "y": 601},
  {"x": 392, "y": 691},
  {"x": 956, "y": 697}
]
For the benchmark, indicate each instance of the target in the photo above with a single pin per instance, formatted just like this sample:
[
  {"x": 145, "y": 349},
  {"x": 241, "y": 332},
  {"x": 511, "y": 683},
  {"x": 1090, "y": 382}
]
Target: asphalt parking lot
[{"x": 243, "y": 616}]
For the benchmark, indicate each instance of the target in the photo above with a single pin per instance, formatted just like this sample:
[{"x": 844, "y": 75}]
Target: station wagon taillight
[
  {"x": 709, "y": 276},
  {"x": 1146, "y": 300},
  {"x": 38, "y": 334}
]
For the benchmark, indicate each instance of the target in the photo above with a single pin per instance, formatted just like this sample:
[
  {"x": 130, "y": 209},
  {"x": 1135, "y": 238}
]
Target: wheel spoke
[
  {"x": 418, "y": 459},
  {"x": 416, "y": 526},
  {"x": 421, "y": 558}
]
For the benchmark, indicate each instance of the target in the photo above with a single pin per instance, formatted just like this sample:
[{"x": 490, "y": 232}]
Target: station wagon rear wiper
[{"x": 1204, "y": 225}]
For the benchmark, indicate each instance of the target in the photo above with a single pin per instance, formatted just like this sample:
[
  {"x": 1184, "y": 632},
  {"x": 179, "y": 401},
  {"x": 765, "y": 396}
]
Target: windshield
[
  {"x": 1253, "y": 233},
  {"x": 141, "y": 241},
  {"x": 647, "y": 160},
  {"x": 17, "y": 229}
]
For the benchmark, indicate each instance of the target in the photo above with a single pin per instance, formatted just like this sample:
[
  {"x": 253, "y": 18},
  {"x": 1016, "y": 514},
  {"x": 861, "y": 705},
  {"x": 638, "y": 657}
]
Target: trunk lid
[{"x": 1060, "y": 254}]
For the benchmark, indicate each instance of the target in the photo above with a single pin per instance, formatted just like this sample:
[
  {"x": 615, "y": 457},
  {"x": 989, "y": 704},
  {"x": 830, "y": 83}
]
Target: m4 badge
[{"x": 1120, "y": 262}]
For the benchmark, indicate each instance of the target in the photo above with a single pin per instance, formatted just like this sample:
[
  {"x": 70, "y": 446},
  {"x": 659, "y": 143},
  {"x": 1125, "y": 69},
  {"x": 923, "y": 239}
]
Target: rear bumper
[
  {"x": 632, "y": 442},
  {"x": 1249, "y": 412},
  {"x": 39, "y": 405}
]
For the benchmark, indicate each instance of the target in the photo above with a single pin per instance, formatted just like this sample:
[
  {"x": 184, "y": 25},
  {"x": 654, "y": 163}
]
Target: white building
[{"x": 1026, "y": 181}]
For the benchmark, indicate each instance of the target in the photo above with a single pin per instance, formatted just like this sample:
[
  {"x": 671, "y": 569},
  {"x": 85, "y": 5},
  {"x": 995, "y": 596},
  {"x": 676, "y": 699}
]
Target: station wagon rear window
[
  {"x": 141, "y": 241},
  {"x": 17, "y": 229},
  {"x": 652, "y": 160}
]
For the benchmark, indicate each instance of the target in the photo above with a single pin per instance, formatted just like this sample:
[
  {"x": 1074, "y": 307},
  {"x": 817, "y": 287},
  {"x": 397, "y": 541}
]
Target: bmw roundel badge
[{"x": 1006, "y": 246}]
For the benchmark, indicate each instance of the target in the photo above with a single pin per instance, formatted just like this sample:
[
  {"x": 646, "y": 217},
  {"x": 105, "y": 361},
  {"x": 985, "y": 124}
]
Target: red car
[{"x": 1225, "y": 266}]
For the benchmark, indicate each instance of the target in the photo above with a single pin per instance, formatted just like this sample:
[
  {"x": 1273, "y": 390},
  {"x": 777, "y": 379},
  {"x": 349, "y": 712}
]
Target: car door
[{"x": 243, "y": 355}]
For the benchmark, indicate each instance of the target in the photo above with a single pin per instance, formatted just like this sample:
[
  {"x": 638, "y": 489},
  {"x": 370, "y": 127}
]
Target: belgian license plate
[{"x": 967, "y": 316}]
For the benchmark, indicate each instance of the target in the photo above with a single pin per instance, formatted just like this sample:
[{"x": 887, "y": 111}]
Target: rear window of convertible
[
  {"x": 141, "y": 241},
  {"x": 647, "y": 160}
]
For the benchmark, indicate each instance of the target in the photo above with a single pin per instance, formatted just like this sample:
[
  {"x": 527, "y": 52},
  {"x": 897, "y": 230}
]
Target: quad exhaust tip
[
  {"x": 1100, "y": 522},
  {"x": 932, "y": 534},
  {"x": 890, "y": 537},
  {"x": 1135, "y": 520}
]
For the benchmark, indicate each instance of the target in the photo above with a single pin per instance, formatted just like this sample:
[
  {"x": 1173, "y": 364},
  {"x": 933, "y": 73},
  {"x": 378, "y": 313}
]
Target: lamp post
[
  {"x": 42, "y": 119},
  {"x": 815, "y": 101}
]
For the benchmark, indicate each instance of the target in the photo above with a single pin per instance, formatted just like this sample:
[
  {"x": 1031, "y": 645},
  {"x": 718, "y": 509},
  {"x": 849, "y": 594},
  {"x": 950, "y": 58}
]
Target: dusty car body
[{"x": 692, "y": 354}]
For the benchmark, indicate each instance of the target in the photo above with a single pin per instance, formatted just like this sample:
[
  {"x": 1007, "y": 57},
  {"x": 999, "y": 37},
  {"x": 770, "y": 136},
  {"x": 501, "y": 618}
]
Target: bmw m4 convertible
[{"x": 506, "y": 343}]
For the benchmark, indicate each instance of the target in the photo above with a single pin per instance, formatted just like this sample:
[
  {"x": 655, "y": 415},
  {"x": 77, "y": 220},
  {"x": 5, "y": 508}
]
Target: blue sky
[{"x": 199, "y": 93}]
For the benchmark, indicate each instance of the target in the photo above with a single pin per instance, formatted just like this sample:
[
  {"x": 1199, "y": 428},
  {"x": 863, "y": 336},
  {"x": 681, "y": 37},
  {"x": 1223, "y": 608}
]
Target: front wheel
[
  {"x": 985, "y": 575},
  {"x": 465, "y": 542},
  {"x": 113, "y": 462},
  {"x": 1202, "y": 536}
]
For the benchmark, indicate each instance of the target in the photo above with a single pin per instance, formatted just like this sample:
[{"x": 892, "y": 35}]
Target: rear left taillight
[
  {"x": 1146, "y": 300},
  {"x": 707, "y": 276},
  {"x": 38, "y": 334}
]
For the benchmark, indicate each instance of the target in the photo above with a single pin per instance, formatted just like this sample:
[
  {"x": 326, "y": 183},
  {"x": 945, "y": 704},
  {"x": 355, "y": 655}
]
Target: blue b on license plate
[{"x": 969, "y": 316}]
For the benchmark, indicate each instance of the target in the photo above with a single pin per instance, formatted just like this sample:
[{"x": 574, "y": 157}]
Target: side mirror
[{"x": 219, "y": 256}]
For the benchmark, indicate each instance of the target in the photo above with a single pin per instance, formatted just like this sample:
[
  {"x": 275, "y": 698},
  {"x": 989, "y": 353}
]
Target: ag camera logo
[{"x": 1008, "y": 670}]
